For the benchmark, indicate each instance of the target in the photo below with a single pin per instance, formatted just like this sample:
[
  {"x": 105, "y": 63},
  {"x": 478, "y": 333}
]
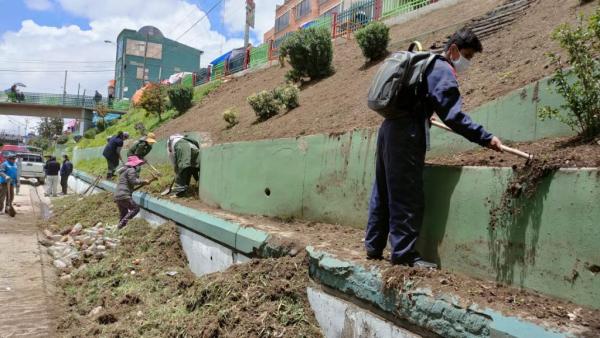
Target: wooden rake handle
[{"x": 507, "y": 149}]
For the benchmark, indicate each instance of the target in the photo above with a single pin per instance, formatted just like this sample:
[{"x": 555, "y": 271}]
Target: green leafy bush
[
  {"x": 62, "y": 139},
  {"x": 373, "y": 40},
  {"x": 101, "y": 125},
  {"x": 181, "y": 98},
  {"x": 581, "y": 94},
  {"x": 90, "y": 133},
  {"x": 264, "y": 104},
  {"x": 231, "y": 117},
  {"x": 309, "y": 52},
  {"x": 153, "y": 100},
  {"x": 288, "y": 96}
]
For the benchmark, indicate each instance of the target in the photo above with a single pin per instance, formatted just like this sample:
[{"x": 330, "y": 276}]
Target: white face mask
[{"x": 462, "y": 64}]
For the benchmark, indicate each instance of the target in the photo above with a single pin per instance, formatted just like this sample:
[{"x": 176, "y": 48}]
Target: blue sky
[{"x": 73, "y": 32}]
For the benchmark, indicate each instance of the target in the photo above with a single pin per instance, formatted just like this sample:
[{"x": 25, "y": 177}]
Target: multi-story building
[
  {"x": 294, "y": 14},
  {"x": 146, "y": 55}
]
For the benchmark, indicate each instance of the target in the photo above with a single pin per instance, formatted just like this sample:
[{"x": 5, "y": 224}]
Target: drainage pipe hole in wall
[{"x": 267, "y": 192}]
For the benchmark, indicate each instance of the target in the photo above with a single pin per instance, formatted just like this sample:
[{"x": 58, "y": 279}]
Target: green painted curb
[
  {"x": 248, "y": 241},
  {"x": 440, "y": 314}
]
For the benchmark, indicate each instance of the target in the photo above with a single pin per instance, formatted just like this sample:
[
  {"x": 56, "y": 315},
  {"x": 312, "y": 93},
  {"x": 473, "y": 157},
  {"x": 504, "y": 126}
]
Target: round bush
[
  {"x": 309, "y": 52},
  {"x": 264, "y": 104},
  {"x": 288, "y": 96},
  {"x": 90, "y": 133},
  {"x": 373, "y": 40}
]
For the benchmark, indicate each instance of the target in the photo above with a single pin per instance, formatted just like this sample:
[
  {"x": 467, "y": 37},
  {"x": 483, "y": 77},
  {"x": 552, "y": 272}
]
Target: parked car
[
  {"x": 32, "y": 166},
  {"x": 12, "y": 148}
]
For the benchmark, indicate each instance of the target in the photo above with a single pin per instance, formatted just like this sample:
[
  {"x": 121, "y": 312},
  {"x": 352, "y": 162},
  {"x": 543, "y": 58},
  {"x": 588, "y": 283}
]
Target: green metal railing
[
  {"x": 358, "y": 15},
  {"x": 324, "y": 21},
  {"x": 398, "y": 7},
  {"x": 67, "y": 100},
  {"x": 259, "y": 55}
]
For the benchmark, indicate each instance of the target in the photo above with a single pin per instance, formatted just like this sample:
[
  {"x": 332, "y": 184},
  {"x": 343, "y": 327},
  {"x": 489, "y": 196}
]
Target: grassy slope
[{"x": 150, "y": 121}]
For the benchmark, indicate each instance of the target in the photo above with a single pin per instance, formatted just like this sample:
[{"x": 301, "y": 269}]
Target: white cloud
[
  {"x": 233, "y": 14},
  {"x": 107, "y": 18},
  {"x": 38, "y": 42},
  {"x": 38, "y": 5}
]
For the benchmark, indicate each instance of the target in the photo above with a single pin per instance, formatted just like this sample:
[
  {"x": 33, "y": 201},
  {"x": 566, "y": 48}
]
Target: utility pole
[
  {"x": 250, "y": 7},
  {"x": 65, "y": 88},
  {"x": 144, "y": 67}
]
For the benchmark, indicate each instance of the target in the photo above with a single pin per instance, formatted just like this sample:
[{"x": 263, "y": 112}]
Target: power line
[
  {"x": 54, "y": 61},
  {"x": 198, "y": 21},
  {"x": 54, "y": 71}
]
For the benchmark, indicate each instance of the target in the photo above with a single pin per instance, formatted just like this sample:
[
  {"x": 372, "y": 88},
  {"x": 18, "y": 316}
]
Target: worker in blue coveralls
[{"x": 396, "y": 206}]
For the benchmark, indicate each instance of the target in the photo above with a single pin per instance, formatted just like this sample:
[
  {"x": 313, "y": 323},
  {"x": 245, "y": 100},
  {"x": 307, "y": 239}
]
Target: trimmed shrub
[
  {"x": 90, "y": 133},
  {"x": 62, "y": 139},
  {"x": 264, "y": 104},
  {"x": 231, "y": 117},
  {"x": 309, "y": 52},
  {"x": 181, "y": 98},
  {"x": 373, "y": 40},
  {"x": 288, "y": 96}
]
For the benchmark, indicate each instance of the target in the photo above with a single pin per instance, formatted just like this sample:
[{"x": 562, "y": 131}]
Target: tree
[
  {"x": 153, "y": 100},
  {"x": 49, "y": 127}
]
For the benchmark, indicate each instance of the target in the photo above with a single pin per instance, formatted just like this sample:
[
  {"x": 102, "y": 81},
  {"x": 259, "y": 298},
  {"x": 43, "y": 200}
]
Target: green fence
[
  {"x": 259, "y": 55},
  {"x": 217, "y": 71},
  {"x": 397, "y": 7},
  {"x": 355, "y": 17},
  {"x": 324, "y": 21}
]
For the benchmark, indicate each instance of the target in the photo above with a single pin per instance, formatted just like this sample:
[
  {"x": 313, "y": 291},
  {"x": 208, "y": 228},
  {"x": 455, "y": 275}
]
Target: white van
[{"x": 32, "y": 166}]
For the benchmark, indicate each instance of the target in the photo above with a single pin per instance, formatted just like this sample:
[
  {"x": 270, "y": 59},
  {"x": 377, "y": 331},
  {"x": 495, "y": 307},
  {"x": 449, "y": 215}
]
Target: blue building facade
[{"x": 147, "y": 56}]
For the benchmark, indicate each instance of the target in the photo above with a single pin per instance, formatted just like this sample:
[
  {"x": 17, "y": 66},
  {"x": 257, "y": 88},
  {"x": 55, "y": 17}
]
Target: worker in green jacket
[
  {"x": 143, "y": 146},
  {"x": 184, "y": 152}
]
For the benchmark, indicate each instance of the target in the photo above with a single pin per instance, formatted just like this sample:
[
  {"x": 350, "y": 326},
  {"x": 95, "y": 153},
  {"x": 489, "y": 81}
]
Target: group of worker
[
  {"x": 53, "y": 169},
  {"x": 396, "y": 206},
  {"x": 183, "y": 151}
]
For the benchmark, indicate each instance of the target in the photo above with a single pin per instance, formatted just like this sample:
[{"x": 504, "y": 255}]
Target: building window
[
  {"x": 302, "y": 9},
  {"x": 282, "y": 22},
  {"x": 138, "y": 48},
  {"x": 138, "y": 73}
]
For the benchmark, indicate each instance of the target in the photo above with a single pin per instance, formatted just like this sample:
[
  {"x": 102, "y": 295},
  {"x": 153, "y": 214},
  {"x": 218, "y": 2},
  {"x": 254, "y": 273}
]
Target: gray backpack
[{"x": 395, "y": 88}]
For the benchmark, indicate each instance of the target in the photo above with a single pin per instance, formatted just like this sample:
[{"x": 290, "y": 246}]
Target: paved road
[{"x": 25, "y": 274}]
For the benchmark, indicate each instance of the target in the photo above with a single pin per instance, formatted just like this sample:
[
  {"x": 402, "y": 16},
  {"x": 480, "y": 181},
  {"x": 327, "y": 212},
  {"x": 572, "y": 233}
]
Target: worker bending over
[
  {"x": 142, "y": 146},
  {"x": 112, "y": 152},
  {"x": 184, "y": 152}
]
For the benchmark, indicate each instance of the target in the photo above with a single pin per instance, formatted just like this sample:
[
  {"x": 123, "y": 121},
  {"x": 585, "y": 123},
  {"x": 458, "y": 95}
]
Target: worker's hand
[
  {"x": 146, "y": 181},
  {"x": 495, "y": 144}
]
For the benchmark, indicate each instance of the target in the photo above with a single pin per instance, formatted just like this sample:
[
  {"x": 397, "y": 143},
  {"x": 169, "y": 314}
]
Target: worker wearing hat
[
  {"x": 129, "y": 178},
  {"x": 8, "y": 180},
  {"x": 143, "y": 146}
]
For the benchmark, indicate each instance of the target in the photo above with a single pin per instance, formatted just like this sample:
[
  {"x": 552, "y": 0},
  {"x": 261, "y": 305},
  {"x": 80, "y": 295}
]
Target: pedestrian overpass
[{"x": 56, "y": 105}]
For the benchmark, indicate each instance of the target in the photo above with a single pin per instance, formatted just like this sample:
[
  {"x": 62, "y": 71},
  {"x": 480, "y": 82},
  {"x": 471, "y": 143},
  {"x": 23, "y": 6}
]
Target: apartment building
[{"x": 294, "y": 14}]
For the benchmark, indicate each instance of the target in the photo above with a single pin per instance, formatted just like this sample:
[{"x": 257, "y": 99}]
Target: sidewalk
[{"x": 25, "y": 276}]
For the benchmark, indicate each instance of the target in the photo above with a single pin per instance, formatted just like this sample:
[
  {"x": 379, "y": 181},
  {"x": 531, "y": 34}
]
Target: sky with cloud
[{"x": 39, "y": 39}]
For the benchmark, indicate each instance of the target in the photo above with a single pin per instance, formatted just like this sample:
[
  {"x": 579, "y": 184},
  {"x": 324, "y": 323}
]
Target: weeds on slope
[{"x": 144, "y": 288}]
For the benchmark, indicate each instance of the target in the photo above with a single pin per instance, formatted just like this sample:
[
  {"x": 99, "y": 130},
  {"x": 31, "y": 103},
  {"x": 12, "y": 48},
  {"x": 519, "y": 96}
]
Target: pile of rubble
[{"x": 74, "y": 246}]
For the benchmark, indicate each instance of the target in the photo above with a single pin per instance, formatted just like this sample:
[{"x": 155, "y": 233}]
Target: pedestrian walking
[
  {"x": 112, "y": 152},
  {"x": 128, "y": 179},
  {"x": 52, "y": 168},
  {"x": 65, "y": 171},
  {"x": 97, "y": 97},
  {"x": 396, "y": 206},
  {"x": 8, "y": 181},
  {"x": 184, "y": 153}
]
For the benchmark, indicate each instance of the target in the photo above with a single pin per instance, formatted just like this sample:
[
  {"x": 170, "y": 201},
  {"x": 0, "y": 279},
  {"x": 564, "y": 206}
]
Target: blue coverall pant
[{"x": 397, "y": 199}]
